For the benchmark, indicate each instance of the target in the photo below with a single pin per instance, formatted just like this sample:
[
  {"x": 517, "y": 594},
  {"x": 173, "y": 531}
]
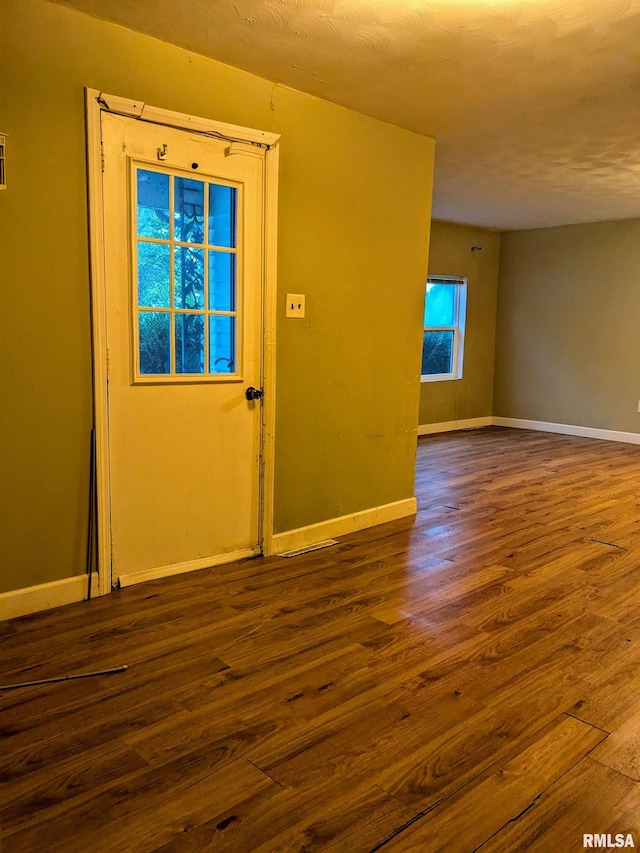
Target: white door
[{"x": 183, "y": 230}]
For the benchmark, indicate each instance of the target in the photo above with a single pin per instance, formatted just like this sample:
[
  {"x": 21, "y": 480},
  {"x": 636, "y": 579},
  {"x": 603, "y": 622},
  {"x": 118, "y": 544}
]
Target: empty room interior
[{"x": 321, "y": 414}]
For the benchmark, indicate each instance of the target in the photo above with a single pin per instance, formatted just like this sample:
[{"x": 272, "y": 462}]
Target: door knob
[{"x": 253, "y": 393}]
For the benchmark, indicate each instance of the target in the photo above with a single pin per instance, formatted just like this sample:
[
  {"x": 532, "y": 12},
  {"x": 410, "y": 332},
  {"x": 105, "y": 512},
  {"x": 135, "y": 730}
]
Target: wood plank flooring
[{"x": 465, "y": 680}]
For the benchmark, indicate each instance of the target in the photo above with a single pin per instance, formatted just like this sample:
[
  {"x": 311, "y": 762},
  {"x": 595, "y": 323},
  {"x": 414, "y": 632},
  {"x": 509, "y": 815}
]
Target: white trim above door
[{"x": 241, "y": 141}]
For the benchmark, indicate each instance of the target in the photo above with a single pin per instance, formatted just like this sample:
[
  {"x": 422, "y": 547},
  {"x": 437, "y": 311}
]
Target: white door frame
[{"x": 96, "y": 103}]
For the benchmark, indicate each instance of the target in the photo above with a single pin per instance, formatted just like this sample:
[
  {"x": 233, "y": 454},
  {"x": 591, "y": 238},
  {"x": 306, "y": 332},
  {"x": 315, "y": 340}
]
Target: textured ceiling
[{"x": 534, "y": 104}]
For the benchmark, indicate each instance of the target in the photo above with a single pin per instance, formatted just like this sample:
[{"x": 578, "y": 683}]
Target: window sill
[{"x": 445, "y": 377}]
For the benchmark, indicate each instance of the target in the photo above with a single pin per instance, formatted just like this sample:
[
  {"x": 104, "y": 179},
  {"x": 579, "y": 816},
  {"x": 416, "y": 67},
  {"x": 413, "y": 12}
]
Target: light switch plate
[{"x": 295, "y": 305}]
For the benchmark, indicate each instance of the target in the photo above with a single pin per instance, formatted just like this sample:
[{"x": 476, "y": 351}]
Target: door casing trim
[{"x": 96, "y": 103}]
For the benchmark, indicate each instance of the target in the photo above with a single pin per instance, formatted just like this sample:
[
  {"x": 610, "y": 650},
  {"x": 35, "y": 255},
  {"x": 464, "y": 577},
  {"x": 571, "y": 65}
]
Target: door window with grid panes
[
  {"x": 186, "y": 276},
  {"x": 443, "y": 334}
]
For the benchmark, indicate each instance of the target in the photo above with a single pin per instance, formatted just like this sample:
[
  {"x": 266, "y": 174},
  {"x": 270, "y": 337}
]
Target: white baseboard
[
  {"x": 301, "y": 537},
  {"x": 189, "y": 566},
  {"x": 44, "y": 596},
  {"x": 450, "y": 426},
  {"x": 20, "y": 602},
  {"x": 540, "y": 426},
  {"x": 569, "y": 429}
]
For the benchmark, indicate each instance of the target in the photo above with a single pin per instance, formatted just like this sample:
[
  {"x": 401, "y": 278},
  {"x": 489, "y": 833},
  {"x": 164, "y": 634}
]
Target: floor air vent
[{"x": 326, "y": 543}]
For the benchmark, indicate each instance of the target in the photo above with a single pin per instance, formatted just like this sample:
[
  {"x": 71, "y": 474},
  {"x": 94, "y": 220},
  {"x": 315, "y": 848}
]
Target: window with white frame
[{"x": 443, "y": 338}]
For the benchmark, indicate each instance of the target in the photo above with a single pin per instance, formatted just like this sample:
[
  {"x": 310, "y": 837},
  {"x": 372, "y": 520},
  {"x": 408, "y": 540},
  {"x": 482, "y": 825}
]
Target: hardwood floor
[{"x": 465, "y": 680}]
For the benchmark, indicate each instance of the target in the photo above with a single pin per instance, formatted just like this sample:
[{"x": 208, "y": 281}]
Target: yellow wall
[
  {"x": 568, "y": 345},
  {"x": 354, "y": 229},
  {"x": 450, "y": 254}
]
